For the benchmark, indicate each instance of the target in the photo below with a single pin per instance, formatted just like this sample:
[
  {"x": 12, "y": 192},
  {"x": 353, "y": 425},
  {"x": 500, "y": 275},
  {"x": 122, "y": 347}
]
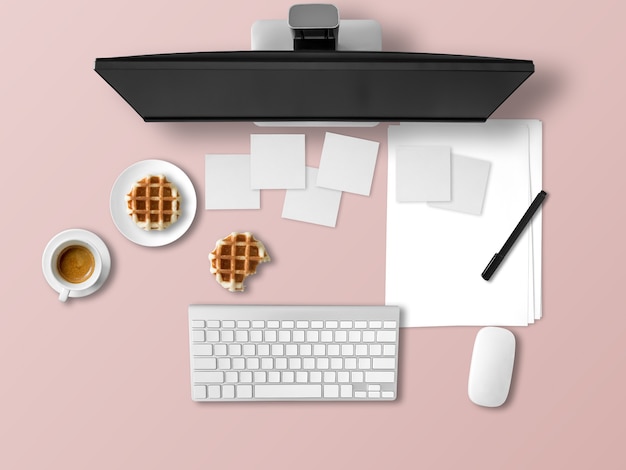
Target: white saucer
[
  {"x": 119, "y": 207},
  {"x": 76, "y": 234}
]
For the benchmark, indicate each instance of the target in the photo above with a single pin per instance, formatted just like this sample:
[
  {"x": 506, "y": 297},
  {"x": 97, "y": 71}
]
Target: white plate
[
  {"x": 119, "y": 207},
  {"x": 76, "y": 234}
]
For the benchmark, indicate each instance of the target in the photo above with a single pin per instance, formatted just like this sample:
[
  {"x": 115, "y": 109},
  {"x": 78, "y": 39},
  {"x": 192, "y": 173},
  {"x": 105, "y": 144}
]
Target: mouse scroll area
[{"x": 491, "y": 367}]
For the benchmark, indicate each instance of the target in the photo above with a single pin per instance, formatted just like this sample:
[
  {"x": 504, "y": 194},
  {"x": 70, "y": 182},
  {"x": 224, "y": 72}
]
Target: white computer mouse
[{"x": 491, "y": 368}]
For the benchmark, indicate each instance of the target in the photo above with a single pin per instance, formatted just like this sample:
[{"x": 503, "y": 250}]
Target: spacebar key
[{"x": 288, "y": 391}]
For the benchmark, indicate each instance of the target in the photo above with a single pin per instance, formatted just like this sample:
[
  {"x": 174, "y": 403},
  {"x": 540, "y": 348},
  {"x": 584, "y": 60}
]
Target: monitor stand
[{"x": 353, "y": 35}]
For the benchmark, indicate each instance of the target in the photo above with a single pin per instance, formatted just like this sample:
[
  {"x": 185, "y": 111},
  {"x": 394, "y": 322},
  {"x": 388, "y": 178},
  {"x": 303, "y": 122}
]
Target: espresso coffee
[{"x": 76, "y": 264}]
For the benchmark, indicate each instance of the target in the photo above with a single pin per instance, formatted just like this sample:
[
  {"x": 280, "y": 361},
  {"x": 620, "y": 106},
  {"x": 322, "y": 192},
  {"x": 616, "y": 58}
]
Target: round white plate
[
  {"x": 76, "y": 234},
  {"x": 119, "y": 207}
]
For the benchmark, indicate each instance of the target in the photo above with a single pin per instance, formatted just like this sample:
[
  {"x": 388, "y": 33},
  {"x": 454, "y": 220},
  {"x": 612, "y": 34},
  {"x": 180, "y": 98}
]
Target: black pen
[{"x": 498, "y": 257}]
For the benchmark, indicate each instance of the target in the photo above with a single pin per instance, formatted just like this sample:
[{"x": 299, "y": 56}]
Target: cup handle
[{"x": 64, "y": 294}]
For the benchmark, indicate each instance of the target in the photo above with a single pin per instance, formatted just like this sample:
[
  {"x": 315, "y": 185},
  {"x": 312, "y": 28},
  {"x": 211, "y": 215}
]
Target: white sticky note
[
  {"x": 469, "y": 185},
  {"x": 314, "y": 204},
  {"x": 277, "y": 161},
  {"x": 227, "y": 183},
  {"x": 347, "y": 164},
  {"x": 423, "y": 173}
]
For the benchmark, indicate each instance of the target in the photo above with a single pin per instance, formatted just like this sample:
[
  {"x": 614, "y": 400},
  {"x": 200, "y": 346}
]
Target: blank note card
[
  {"x": 227, "y": 183},
  {"x": 314, "y": 205},
  {"x": 347, "y": 164},
  {"x": 277, "y": 161},
  {"x": 423, "y": 173},
  {"x": 469, "y": 185}
]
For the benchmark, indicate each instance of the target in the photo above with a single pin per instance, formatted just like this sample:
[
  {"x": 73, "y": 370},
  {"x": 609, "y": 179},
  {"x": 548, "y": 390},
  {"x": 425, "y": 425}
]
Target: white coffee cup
[{"x": 73, "y": 263}]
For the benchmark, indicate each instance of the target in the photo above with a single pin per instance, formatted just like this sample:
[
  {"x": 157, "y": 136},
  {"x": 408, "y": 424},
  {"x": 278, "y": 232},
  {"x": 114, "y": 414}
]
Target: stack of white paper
[{"x": 435, "y": 257}]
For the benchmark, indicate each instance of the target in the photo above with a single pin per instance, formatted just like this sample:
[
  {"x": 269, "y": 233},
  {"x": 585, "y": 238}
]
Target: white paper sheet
[
  {"x": 314, "y": 205},
  {"x": 227, "y": 183},
  {"x": 347, "y": 164},
  {"x": 469, "y": 184},
  {"x": 423, "y": 174},
  {"x": 277, "y": 161},
  {"x": 434, "y": 258}
]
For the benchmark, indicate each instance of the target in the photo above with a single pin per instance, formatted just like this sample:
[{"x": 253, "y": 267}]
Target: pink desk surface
[{"x": 103, "y": 382}]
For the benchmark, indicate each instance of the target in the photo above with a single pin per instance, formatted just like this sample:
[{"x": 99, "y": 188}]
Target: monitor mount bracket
[{"x": 316, "y": 27}]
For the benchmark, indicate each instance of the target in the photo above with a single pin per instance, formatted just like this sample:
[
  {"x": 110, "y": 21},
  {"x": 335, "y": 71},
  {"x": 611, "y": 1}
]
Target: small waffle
[
  {"x": 236, "y": 257},
  {"x": 154, "y": 203}
]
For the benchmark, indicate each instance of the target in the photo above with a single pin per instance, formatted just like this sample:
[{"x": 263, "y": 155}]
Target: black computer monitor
[{"x": 313, "y": 85}]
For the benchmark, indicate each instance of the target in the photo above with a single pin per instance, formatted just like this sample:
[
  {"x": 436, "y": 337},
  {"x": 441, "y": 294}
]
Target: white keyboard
[{"x": 253, "y": 352}]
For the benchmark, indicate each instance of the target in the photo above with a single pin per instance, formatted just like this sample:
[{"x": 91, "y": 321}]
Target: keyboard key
[
  {"x": 212, "y": 323},
  {"x": 357, "y": 377},
  {"x": 331, "y": 391},
  {"x": 273, "y": 376},
  {"x": 386, "y": 336},
  {"x": 228, "y": 324},
  {"x": 212, "y": 336},
  {"x": 379, "y": 377},
  {"x": 315, "y": 376},
  {"x": 198, "y": 336},
  {"x": 245, "y": 377},
  {"x": 389, "y": 350},
  {"x": 273, "y": 324},
  {"x": 332, "y": 324},
  {"x": 326, "y": 336},
  {"x": 360, "y": 324},
  {"x": 376, "y": 324},
  {"x": 383, "y": 363},
  {"x": 256, "y": 336},
  {"x": 231, "y": 377},
  {"x": 298, "y": 336},
  {"x": 350, "y": 363},
  {"x": 197, "y": 323},
  {"x": 208, "y": 377},
  {"x": 376, "y": 350},
  {"x": 387, "y": 394},
  {"x": 343, "y": 376},
  {"x": 238, "y": 363},
  {"x": 223, "y": 363},
  {"x": 288, "y": 391},
  {"x": 234, "y": 349},
  {"x": 347, "y": 349},
  {"x": 345, "y": 324},
  {"x": 287, "y": 324},
  {"x": 249, "y": 349},
  {"x": 267, "y": 363},
  {"x": 264, "y": 350},
  {"x": 228, "y": 391},
  {"x": 389, "y": 324},
  {"x": 199, "y": 392},
  {"x": 244, "y": 391},
  {"x": 330, "y": 377},
  {"x": 369, "y": 336},
  {"x": 302, "y": 376},
  {"x": 243, "y": 324},
  {"x": 336, "y": 363},
  {"x": 291, "y": 350},
  {"x": 308, "y": 363},
  {"x": 346, "y": 391},
  {"x": 219, "y": 350},
  {"x": 202, "y": 349},
  {"x": 317, "y": 324},
  {"x": 302, "y": 324},
  {"x": 365, "y": 363},
  {"x": 341, "y": 336},
  {"x": 205, "y": 363},
  {"x": 215, "y": 391},
  {"x": 270, "y": 336},
  {"x": 354, "y": 336},
  {"x": 260, "y": 377},
  {"x": 360, "y": 394},
  {"x": 241, "y": 336},
  {"x": 258, "y": 323},
  {"x": 312, "y": 336},
  {"x": 333, "y": 350},
  {"x": 284, "y": 336},
  {"x": 288, "y": 376}
]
